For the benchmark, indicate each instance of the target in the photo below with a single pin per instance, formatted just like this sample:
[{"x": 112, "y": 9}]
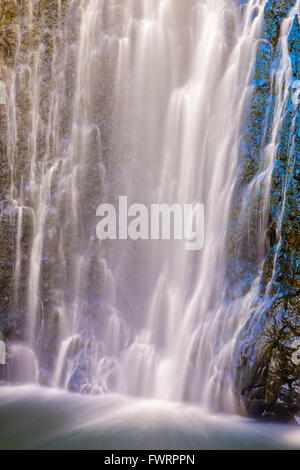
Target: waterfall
[
  {"x": 146, "y": 99},
  {"x": 184, "y": 349}
]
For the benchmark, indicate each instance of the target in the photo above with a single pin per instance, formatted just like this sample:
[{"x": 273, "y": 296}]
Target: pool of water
[{"x": 40, "y": 418}]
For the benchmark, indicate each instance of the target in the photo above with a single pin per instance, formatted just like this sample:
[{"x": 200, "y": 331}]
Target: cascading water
[
  {"x": 184, "y": 350},
  {"x": 145, "y": 99}
]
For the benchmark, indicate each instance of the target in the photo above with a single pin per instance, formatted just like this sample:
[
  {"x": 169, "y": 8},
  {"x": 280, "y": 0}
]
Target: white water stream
[{"x": 144, "y": 99}]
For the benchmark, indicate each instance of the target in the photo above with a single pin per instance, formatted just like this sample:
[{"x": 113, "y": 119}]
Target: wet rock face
[
  {"x": 22, "y": 31},
  {"x": 267, "y": 371},
  {"x": 8, "y": 21},
  {"x": 42, "y": 54},
  {"x": 9, "y": 16},
  {"x": 268, "y": 368}
]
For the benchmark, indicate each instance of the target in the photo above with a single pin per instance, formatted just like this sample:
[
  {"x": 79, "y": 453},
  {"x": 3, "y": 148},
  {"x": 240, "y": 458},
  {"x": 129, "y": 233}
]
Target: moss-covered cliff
[
  {"x": 267, "y": 377},
  {"x": 27, "y": 29}
]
